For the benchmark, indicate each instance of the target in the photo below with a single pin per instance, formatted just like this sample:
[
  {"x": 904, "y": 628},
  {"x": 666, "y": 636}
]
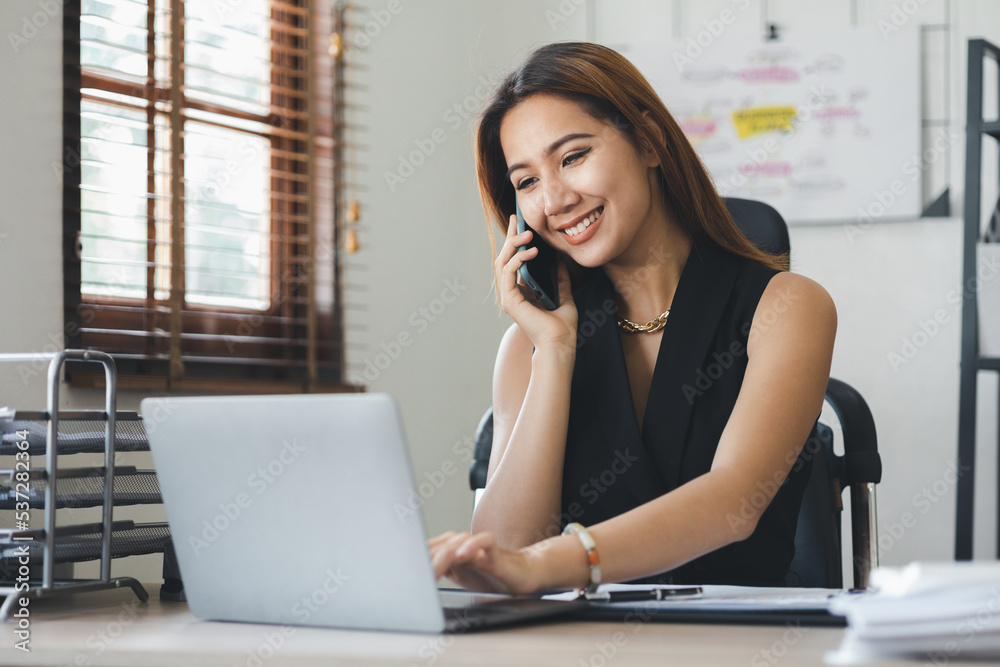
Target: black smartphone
[{"x": 540, "y": 272}]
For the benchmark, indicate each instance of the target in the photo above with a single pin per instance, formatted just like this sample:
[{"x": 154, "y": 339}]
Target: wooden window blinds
[{"x": 201, "y": 193}]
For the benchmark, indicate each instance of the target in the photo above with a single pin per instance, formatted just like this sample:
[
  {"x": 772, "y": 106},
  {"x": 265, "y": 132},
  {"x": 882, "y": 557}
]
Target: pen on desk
[{"x": 644, "y": 595}]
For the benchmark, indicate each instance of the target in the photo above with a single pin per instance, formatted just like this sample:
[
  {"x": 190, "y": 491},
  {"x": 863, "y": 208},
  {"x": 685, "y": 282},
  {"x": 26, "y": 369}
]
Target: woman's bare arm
[{"x": 522, "y": 499}]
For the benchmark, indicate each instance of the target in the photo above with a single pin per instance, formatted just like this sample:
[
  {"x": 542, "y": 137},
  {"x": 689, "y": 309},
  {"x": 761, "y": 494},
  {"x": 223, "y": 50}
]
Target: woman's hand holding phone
[
  {"x": 540, "y": 272},
  {"x": 545, "y": 328}
]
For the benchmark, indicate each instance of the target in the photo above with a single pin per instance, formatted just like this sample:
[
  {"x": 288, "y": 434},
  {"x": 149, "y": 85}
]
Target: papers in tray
[{"x": 943, "y": 610}]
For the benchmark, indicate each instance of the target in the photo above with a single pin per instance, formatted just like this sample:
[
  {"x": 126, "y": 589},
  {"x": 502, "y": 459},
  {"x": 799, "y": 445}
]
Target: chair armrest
[
  {"x": 861, "y": 470},
  {"x": 861, "y": 460},
  {"x": 480, "y": 464}
]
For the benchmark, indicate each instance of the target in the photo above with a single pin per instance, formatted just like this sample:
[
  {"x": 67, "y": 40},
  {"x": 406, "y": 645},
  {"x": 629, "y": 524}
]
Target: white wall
[
  {"x": 31, "y": 208},
  {"x": 429, "y": 229}
]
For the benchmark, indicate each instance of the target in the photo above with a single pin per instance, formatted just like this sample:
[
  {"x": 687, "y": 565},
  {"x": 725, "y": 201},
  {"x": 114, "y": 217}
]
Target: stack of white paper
[{"x": 946, "y": 611}]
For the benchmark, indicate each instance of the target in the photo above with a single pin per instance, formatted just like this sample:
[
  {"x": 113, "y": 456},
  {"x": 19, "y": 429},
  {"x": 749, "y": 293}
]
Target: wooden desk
[{"x": 112, "y": 628}]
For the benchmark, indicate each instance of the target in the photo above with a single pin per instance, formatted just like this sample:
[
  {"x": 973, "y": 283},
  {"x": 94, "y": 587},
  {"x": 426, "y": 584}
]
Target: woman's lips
[{"x": 587, "y": 233}]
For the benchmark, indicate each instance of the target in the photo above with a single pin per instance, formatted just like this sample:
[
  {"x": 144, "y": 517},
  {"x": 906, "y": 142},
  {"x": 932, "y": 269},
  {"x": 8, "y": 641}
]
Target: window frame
[{"x": 319, "y": 365}]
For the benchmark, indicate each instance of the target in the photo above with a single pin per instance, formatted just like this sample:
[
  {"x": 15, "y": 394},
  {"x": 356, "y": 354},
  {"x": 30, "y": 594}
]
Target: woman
[{"x": 659, "y": 411}]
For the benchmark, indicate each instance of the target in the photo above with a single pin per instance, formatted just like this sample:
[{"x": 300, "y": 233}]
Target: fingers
[
  {"x": 510, "y": 247},
  {"x": 509, "y": 276},
  {"x": 444, "y": 552},
  {"x": 440, "y": 539},
  {"x": 511, "y": 226},
  {"x": 509, "y": 259},
  {"x": 476, "y": 545},
  {"x": 457, "y": 549},
  {"x": 478, "y": 563},
  {"x": 512, "y": 242}
]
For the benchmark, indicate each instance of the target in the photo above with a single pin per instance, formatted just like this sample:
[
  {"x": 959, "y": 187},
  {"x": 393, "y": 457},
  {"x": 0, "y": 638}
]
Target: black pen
[{"x": 644, "y": 595}]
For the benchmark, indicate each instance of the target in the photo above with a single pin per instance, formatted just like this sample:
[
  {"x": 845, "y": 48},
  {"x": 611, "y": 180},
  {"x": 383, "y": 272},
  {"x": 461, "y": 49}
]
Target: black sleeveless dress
[{"x": 612, "y": 467}]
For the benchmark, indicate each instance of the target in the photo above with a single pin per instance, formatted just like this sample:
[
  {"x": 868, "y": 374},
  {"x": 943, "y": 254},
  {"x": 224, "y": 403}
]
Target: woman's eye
[
  {"x": 523, "y": 184},
  {"x": 570, "y": 159}
]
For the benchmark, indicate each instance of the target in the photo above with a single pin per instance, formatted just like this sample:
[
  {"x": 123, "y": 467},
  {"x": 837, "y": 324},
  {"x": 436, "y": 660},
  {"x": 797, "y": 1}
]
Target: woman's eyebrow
[{"x": 553, "y": 147}]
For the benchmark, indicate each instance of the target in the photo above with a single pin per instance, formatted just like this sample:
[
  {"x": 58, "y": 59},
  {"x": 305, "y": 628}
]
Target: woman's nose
[{"x": 558, "y": 196}]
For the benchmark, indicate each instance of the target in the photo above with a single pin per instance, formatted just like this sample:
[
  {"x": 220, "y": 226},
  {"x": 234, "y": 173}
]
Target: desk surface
[{"x": 113, "y": 628}]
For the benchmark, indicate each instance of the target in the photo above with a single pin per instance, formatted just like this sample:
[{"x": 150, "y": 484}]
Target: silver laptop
[{"x": 301, "y": 510}]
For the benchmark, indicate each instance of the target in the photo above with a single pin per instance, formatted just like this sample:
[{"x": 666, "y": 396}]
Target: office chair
[{"x": 818, "y": 561}]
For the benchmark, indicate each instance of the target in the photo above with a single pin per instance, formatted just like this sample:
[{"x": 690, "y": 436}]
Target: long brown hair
[{"x": 609, "y": 87}]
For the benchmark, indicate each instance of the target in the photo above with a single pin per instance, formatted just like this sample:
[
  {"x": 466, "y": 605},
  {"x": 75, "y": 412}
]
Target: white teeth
[{"x": 586, "y": 222}]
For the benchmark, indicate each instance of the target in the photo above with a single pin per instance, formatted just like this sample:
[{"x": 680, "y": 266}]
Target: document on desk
[
  {"x": 732, "y": 604},
  {"x": 947, "y": 611}
]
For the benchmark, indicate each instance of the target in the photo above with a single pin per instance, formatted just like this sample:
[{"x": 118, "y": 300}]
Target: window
[{"x": 201, "y": 219}]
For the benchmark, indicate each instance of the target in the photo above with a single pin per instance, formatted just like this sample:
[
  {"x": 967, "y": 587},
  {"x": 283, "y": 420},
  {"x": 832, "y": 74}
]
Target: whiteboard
[{"x": 822, "y": 126}]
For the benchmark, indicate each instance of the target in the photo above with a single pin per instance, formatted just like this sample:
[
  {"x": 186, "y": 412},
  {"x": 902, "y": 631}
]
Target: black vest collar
[{"x": 705, "y": 285}]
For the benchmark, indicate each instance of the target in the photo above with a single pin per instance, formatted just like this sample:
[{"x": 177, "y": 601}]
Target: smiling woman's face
[{"x": 581, "y": 184}]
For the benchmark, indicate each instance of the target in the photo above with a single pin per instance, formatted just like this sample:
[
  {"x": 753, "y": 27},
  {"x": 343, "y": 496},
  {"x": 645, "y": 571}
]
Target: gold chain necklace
[{"x": 651, "y": 326}]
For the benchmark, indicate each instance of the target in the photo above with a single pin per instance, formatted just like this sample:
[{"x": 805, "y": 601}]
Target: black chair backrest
[{"x": 760, "y": 223}]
